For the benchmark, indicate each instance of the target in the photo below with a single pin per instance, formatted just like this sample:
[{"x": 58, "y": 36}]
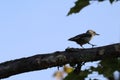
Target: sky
[{"x": 30, "y": 27}]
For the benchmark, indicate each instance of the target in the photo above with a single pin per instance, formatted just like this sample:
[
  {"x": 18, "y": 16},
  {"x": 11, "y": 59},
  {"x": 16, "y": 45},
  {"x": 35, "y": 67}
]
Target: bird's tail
[{"x": 71, "y": 39}]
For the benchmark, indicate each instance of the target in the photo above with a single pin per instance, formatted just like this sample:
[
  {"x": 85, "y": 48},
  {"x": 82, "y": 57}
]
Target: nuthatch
[{"x": 84, "y": 38}]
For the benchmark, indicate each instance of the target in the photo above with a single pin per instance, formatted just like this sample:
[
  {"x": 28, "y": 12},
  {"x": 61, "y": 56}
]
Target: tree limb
[{"x": 58, "y": 58}]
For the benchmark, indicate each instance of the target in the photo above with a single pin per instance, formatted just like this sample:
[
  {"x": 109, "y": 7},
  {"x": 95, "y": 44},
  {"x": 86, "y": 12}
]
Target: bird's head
[{"x": 92, "y": 32}]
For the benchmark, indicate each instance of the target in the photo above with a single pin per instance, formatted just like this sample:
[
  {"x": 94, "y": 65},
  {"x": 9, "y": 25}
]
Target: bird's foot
[{"x": 93, "y": 45}]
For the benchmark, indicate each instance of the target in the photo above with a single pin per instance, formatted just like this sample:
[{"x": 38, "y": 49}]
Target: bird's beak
[{"x": 97, "y": 34}]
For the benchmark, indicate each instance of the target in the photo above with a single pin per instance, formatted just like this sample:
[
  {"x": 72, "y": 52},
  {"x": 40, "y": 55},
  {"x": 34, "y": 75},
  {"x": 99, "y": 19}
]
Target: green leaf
[
  {"x": 111, "y": 1},
  {"x": 108, "y": 66},
  {"x": 74, "y": 76},
  {"x": 79, "y": 5}
]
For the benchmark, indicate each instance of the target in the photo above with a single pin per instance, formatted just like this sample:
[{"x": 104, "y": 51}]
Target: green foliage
[
  {"x": 75, "y": 76},
  {"x": 111, "y": 1},
  {"x": 80, "y": 4},
  {"x": 106, "y": 67}
]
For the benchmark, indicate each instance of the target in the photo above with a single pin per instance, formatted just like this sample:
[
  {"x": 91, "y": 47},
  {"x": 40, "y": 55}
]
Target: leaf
[
  {"x": 68, "y": 69},
  {"x": 107, "y": 67},
  {"x": 111, "y": 1},
  {"x": 79, "y": 5},
  {"x": 74, "y": 76},
  {"x": 58, "y": 74}
]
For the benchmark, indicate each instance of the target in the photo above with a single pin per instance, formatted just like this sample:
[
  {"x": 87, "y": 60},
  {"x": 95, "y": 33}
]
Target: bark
[{"x": 58, "y": 58}]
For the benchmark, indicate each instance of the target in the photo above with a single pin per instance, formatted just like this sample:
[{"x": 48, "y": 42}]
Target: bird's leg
[
  {"x": 91, "y": 44},
  {"x": 82, "y": 46}
]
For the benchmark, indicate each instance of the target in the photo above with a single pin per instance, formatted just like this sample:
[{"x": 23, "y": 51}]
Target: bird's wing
[{"x": 80, "y": 36}]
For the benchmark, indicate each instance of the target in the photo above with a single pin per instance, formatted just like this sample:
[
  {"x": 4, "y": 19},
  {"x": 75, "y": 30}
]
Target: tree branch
[{"x": 58, "y": 58}]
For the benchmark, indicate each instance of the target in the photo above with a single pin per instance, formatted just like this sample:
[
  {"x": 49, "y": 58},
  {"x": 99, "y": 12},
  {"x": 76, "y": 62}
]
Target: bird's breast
[{"x": 87, "y": 39}]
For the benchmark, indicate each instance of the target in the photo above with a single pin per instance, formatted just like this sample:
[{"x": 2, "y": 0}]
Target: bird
[{"x": 84, "y": 38}]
